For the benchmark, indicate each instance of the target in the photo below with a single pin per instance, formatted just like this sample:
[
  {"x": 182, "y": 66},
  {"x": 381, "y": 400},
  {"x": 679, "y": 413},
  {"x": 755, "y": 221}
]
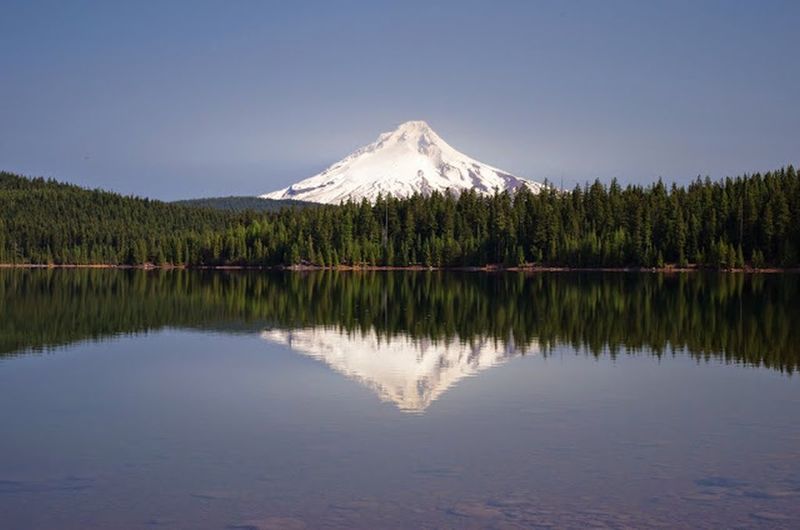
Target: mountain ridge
[{"x": 410, "y": 159}]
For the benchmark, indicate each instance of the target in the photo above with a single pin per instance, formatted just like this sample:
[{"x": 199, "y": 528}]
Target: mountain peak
[
  {"x": 410, "y": 159},
  {"x": 413, "y": 126},
  {"x": 417, "y": 134}
]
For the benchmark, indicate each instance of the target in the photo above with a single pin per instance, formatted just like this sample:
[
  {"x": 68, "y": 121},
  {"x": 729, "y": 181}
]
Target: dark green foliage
[
  {"x": 45, "y": 221},
  {"x": 713, "y": 224},
  {"x": 242, "y": 203}
]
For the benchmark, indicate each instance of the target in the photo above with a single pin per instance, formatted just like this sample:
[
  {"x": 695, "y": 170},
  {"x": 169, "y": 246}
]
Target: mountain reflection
[
  {"x": 411, "y": 373},
  {"x": 746, "y": 319}
]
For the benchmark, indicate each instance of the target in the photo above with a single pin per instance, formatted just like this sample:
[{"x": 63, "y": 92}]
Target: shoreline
[{"x": 367, "y": 268}]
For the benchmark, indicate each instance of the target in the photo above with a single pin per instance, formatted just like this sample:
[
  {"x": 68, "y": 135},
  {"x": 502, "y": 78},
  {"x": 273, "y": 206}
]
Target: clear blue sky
[{"x": 186, "y": 99}]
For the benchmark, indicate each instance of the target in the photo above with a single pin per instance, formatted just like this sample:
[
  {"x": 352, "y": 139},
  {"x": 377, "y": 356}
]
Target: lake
[{"x": 254, "y": 400}]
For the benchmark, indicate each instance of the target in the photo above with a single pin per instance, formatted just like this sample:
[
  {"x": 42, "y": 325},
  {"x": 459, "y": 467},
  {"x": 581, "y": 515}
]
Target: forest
[
  {"x": 242, "y": 203},
  {"x": 749, "y": 221}
]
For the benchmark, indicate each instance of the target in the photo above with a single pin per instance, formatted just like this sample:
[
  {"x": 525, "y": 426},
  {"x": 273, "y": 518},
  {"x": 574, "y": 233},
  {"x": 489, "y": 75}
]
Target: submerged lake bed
[{"x": 201, "y": 399}]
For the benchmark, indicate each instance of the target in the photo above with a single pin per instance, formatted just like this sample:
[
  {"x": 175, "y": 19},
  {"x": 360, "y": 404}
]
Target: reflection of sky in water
[{"x": 198, "y": 430}]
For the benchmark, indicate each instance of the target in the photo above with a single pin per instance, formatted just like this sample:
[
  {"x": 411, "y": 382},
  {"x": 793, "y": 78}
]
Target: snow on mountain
[
  {"x": 412, "y": 158},
  {"x": 411, "y": 373}
]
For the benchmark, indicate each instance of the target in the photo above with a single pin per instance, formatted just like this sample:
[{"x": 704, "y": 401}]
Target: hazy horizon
[{"x": 186, "y": 100}]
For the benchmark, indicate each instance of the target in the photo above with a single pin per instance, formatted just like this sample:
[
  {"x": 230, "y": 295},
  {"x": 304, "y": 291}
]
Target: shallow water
[{"x": 180, "y": 399}]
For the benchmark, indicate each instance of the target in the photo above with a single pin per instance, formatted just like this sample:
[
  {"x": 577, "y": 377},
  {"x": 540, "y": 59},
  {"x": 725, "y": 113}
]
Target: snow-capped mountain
[
  {"x": 412, "y": 158},
  {"x": 411, "y": 373}
]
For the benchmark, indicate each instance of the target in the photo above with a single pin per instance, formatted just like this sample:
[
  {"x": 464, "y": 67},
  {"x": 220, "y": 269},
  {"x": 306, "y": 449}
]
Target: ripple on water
[{"x": 270, "y": 523}]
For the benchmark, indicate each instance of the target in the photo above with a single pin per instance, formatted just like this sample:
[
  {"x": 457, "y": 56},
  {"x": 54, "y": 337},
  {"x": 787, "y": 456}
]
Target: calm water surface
[{"x": 133, "y": 399}]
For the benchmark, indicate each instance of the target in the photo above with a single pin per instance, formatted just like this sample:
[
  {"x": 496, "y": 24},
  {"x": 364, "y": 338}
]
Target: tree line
[{"x": 751, "y": 220}]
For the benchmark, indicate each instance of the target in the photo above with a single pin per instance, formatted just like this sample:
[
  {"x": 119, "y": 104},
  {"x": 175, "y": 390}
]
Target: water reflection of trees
[{"x": 735, "y": 317}]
